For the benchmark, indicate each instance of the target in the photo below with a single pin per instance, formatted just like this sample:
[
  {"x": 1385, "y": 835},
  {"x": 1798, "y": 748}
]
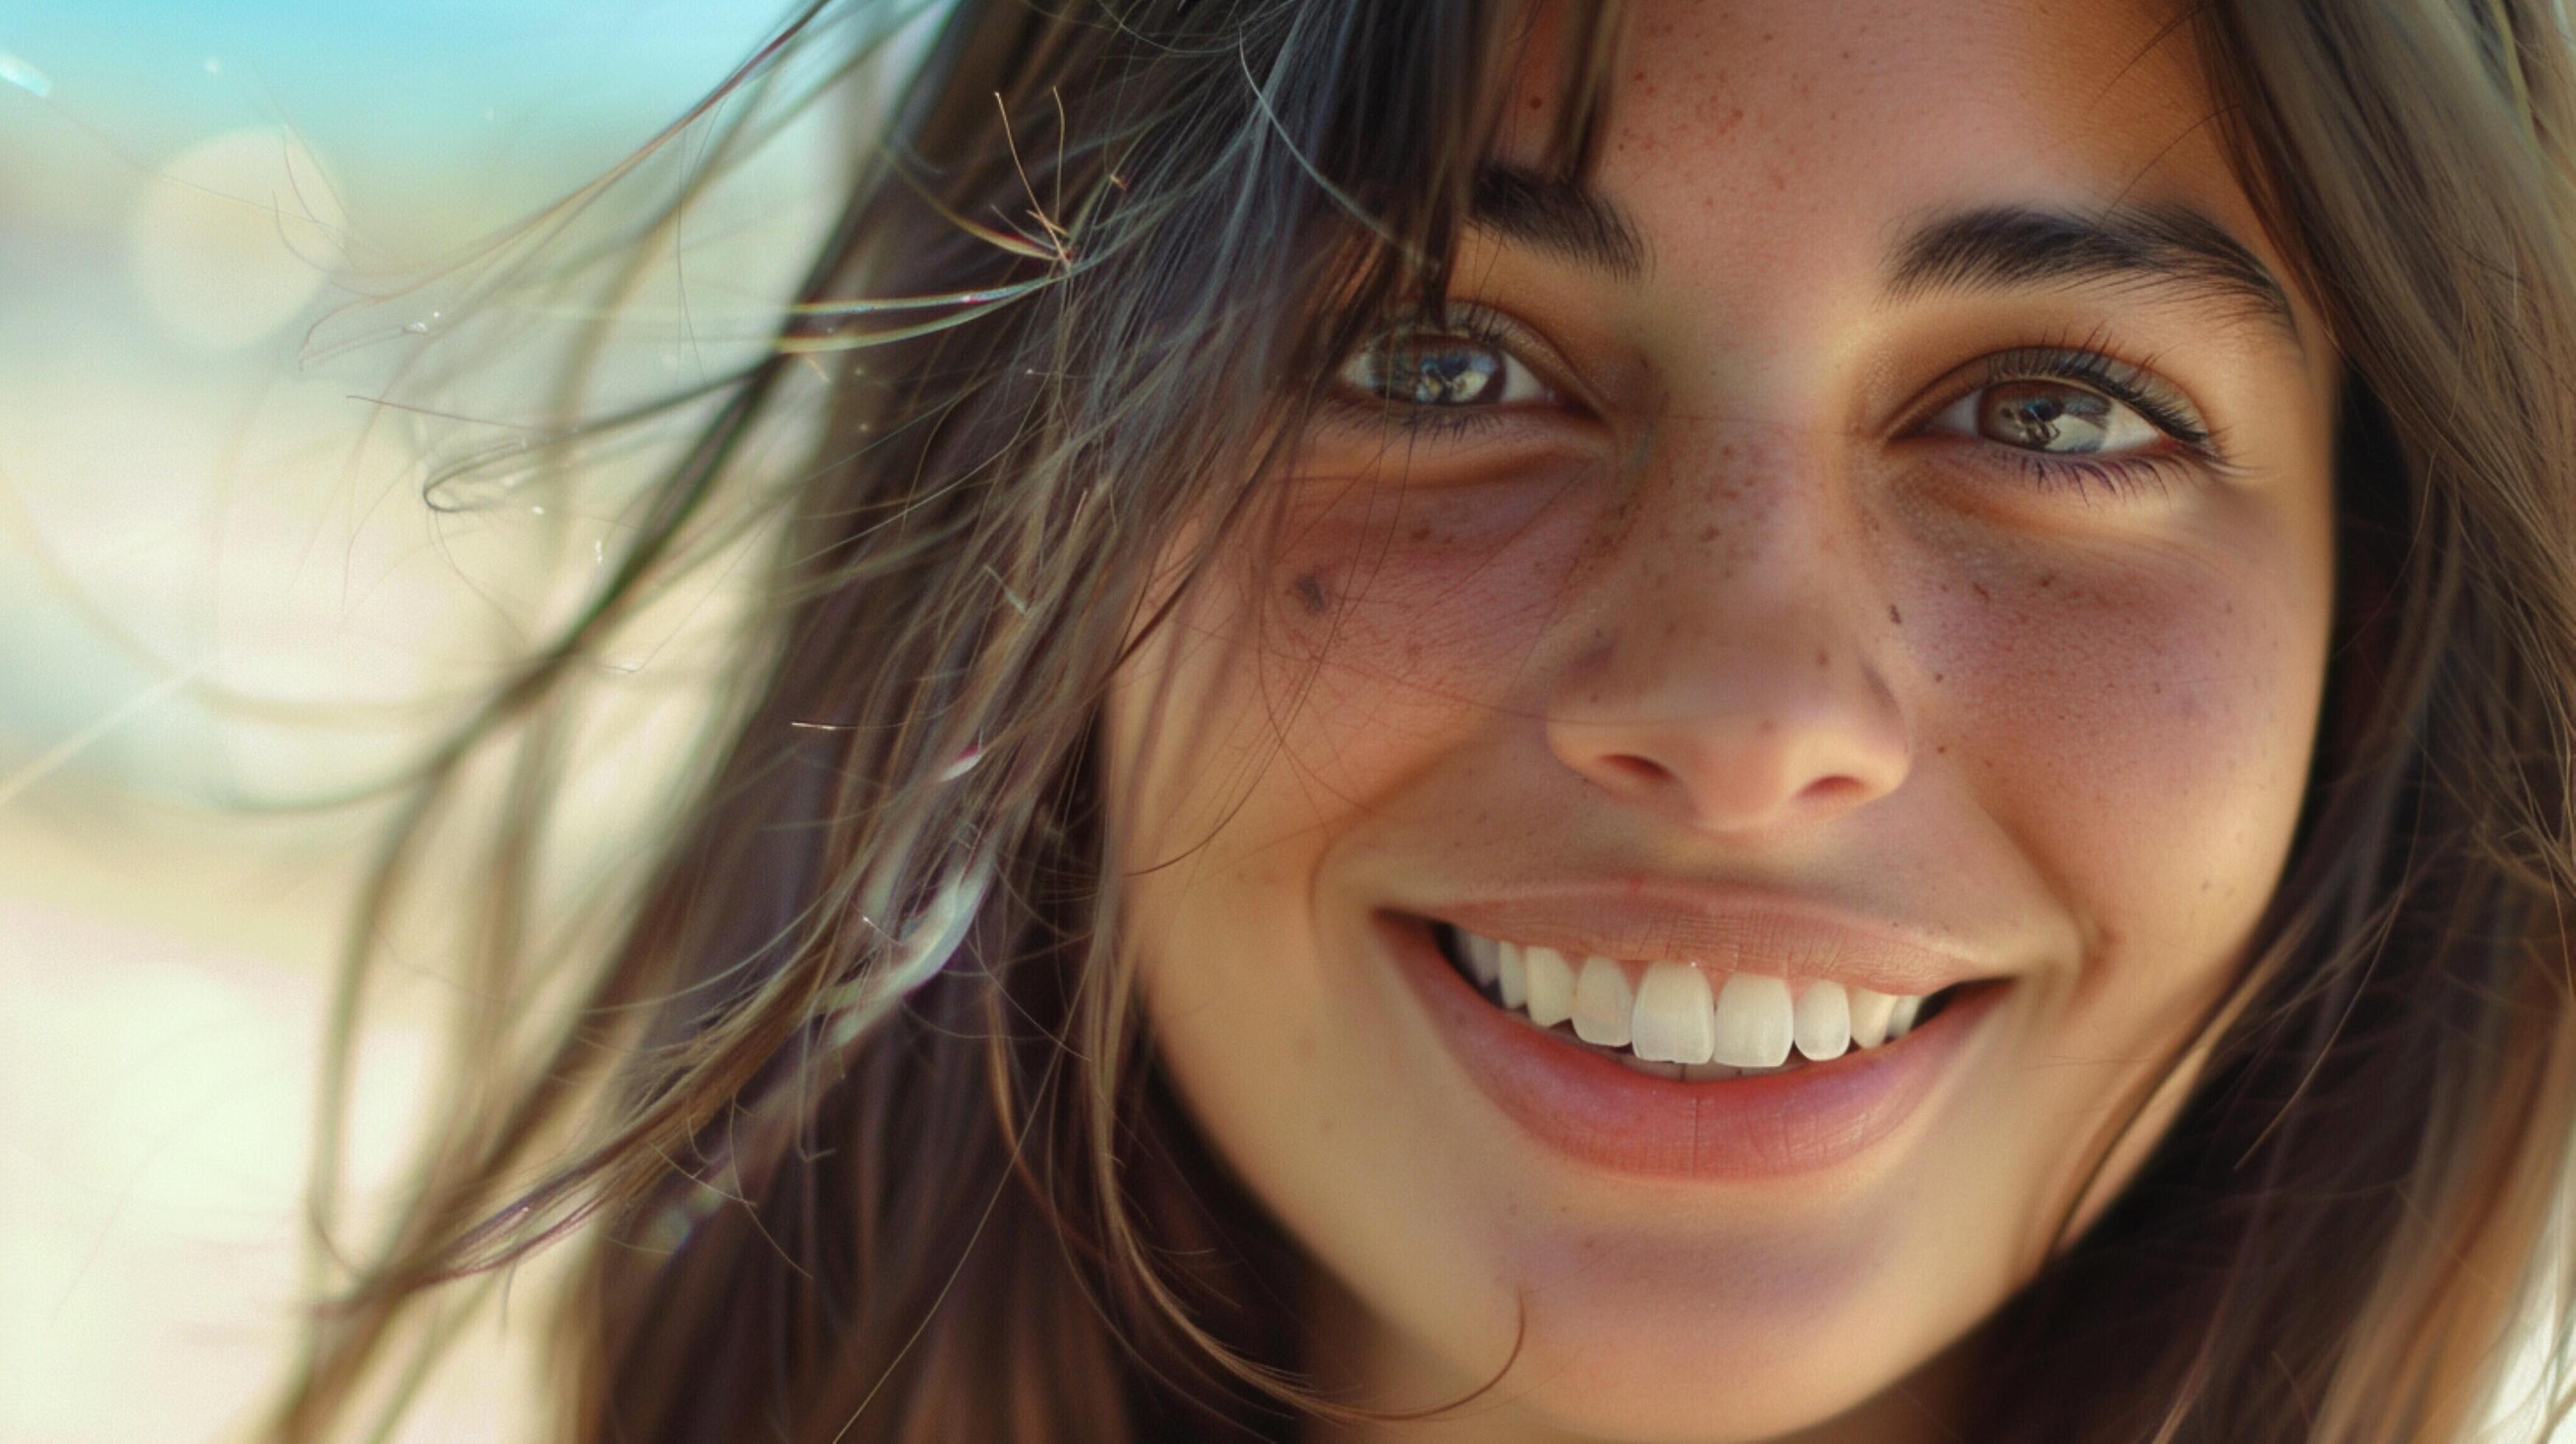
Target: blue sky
[
  {"x": 395, "y": 95},
  {"x": 418, "y": 69}
]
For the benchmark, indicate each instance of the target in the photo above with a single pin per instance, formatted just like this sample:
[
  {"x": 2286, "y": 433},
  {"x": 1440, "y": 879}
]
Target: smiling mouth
[{"x": 1671, "y": 1020}]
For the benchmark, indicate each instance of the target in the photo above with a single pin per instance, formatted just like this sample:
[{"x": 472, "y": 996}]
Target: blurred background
[{"x": 238, "y": 590}]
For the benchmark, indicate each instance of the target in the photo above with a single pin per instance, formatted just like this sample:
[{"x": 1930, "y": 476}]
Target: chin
[{"x": 1701, "y": 1330}]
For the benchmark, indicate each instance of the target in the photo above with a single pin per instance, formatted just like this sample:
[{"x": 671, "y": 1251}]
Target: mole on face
[{"x": 1309, "y": 590}]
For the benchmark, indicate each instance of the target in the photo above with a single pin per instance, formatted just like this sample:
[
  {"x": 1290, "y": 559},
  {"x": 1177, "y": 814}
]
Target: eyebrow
[
  {"x": 1558, "y": 214},
  {"x": 2165, "y": 246},
  {"x": 2168, "y": 246}
]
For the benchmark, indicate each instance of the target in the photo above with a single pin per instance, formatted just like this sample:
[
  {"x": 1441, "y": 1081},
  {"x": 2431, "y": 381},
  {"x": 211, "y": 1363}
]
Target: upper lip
[{"x": 1721, "y": 929}]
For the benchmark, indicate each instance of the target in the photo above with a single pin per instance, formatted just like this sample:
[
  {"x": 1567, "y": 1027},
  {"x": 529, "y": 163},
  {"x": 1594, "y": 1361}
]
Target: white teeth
[
  {"x": 1869, "y": 1014},
  {"x": 1822, "y": 1024},
  {"x": 1901, "y": 1022},
  {"x": 1753, "y": 1022},
  {"x": 1668, "y": 1021},
  {"x": 1484, "y": 958},
  {"x": 1551, "y": 986},
  {"x": 1602, "y": 1004},
  {"x": 1673, "y": 1022}
]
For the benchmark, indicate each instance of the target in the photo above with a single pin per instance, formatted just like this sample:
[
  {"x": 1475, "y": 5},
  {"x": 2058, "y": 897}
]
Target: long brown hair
[{"x": 854, "y": 1119}]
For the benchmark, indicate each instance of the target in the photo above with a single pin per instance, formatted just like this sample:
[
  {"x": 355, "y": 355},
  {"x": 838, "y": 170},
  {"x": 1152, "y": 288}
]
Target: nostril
[
  {"x": 1628, "y": 767},
  {"x": 1826, "y": 789}
]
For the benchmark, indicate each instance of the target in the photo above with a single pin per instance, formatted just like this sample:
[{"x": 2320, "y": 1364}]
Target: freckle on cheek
[{"x": 1310, "y": 594}]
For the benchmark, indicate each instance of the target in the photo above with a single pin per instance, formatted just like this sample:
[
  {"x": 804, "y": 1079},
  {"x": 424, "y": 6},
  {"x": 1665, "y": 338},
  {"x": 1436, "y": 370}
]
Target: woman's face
[{"x": 1874, "y": 542}]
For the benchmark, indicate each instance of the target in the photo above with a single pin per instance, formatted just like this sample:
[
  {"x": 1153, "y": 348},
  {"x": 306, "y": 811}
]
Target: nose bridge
[
  {"x": 1757, "y": 510},
  {"x": 1730, "y": 680}
]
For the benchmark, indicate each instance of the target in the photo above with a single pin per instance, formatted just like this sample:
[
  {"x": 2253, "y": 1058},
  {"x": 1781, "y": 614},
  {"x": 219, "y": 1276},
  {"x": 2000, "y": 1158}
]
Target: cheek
[
  {"x": 2144, "y": 728},
  {"x": 1285, "y": 703},
  {"x": 2139, "y": 728},
  {"x": 1306, "y": 682},
  {"x": 1397, "y": 621}
]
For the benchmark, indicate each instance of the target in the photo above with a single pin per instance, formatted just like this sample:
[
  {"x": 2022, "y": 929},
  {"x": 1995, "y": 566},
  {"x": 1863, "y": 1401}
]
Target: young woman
[{"x": 1833, "y": 721}]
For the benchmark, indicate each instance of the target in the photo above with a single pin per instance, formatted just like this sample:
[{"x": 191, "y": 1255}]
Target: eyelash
[
  {"x": 1467, "y": 323},
  {"x": 2083, "y": 363}
]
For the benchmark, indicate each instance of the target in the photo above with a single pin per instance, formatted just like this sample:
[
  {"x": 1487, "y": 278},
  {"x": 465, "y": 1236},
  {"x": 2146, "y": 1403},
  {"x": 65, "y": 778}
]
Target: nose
[{"x": 1728, "y": 684}]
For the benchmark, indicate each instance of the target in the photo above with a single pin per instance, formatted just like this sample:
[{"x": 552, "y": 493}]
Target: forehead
[{"x": 1805, "y": 133}]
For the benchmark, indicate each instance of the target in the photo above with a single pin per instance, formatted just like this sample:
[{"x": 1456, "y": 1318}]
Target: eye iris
[
  {"x": 2044, "y": 416},
  {"x": 1438, "y": 373}
]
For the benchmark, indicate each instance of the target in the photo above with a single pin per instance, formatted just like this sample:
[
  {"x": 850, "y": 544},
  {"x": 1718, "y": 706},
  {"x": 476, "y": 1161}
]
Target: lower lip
[{"x": 1603, "y": 1113}]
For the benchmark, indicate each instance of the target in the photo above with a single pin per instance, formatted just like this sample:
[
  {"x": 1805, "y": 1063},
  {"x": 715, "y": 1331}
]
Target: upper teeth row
[{"x": 1670, "y": 1017}]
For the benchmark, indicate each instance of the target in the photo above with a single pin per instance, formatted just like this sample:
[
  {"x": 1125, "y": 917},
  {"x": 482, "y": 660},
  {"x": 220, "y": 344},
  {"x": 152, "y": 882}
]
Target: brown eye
[
  {"x": 1440, "y": 370},
  {"x": 2052, "y": 417}
]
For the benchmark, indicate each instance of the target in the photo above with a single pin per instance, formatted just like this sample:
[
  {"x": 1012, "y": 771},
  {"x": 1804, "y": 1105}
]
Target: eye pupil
[
  {"x": 2044, "y": 416},
  {"x": 1437, "y": 373}
]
